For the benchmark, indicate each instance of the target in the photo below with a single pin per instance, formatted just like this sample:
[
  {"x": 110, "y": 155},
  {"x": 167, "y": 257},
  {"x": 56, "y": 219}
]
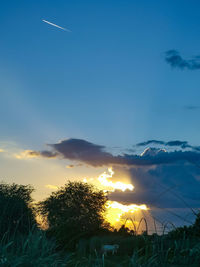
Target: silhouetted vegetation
[
  {"x": 17, "y": 213},
  {"x": 74, "y": 211},
  {"x": 77, "y": 231}
]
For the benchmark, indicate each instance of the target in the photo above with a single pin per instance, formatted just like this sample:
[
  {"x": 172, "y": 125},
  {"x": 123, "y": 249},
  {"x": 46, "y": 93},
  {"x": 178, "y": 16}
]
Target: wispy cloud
[
  {"x": 55, "y": 25},
  {"x": 70, "y": 166},
  {"x": 25, "y": 154},
  {"x": 173, "y": 58},
  {"x": 50, "y": 186},
  {"x": 73, "y": 165},
  {"x": 191, "y": 107}
]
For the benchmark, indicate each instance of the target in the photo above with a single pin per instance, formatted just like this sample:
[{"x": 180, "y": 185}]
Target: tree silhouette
[
  {"x": 17, "y": 213},
  {"x": 74, "y": 210}
]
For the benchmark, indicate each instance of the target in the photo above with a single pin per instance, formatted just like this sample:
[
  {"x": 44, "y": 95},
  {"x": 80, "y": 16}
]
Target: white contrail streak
[{"x": 64, "y": 29}]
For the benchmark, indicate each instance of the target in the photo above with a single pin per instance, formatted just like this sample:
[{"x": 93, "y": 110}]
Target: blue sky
[{"x": 106, "y": 81}]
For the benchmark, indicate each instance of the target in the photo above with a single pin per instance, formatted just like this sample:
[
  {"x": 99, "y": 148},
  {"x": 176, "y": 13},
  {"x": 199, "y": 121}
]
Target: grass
[
  {"x": 144, "y": 251},
  {"x": 35, "y": 249}
]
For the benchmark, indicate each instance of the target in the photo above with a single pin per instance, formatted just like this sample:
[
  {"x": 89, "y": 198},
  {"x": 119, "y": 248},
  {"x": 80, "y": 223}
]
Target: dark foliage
[
  {"x": 196, "y": 224},
  {"x": 75, "y": 210},
  {"x": 17, "y": 213},
  {"x": 192, "y": 231}
]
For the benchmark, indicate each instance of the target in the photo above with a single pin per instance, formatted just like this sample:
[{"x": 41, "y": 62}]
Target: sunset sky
[{"x": 118, "y": 88}]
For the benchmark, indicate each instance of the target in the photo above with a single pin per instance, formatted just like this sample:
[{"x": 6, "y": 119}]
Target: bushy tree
[
  {"x": 74, "y": 210},
  {"x": 16, "y": 214}
]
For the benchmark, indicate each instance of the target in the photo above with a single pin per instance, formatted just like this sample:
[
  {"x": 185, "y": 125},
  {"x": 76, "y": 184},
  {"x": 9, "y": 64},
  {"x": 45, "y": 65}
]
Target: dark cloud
[
  {"x": 160, "y": 158},
  {"x": 173, "y": 58},
  {"x": 182, "y": 144},
  {"x": 83, "y": 151},
  {"x": 164, "y": 186},
  {"x": 45, "y": 153},
  {"x": 157, "y": 142},
  {"x": 95, "y": 155},
  {"x": 196, "y": 148},
  {"x": 174, "y": 143},
  {"x": 78, "y": 150},
  {"x": 48, "y": 154}
]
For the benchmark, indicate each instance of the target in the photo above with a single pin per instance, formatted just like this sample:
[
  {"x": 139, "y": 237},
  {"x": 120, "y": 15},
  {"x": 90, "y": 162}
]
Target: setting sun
[
  {"x": 116, "y": 212},
  {"x": 99, "y": 133}
]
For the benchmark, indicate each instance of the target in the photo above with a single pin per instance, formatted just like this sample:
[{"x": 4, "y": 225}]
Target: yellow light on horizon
[{"x": 116, "y": 210}]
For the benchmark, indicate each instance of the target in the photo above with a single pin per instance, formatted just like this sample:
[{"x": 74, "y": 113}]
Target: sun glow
[
  {"x": 112, "y": 186},
  {"x": 116, "y": 211}
]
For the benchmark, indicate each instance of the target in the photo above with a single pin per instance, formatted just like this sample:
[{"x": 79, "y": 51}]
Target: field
[{"x": 35, "y": 249}]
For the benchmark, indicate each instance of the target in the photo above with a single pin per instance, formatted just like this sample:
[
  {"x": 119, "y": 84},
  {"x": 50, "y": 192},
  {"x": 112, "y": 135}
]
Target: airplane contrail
[{"x": 48, "y": 22}]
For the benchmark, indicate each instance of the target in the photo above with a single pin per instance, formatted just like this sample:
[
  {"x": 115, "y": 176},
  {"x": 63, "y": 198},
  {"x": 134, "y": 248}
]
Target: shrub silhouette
[
  {"x": 196, "y": 224},
  {"x": 73, "y": 211},
  {"x": 17, "y": 213}
]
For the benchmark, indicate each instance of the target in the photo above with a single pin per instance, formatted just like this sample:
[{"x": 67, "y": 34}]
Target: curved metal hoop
[{"x": 143, "y": 219}]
